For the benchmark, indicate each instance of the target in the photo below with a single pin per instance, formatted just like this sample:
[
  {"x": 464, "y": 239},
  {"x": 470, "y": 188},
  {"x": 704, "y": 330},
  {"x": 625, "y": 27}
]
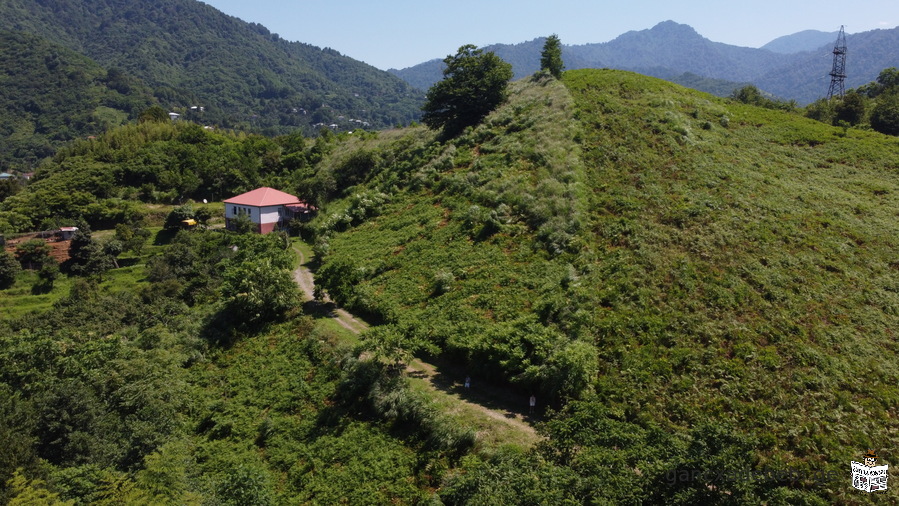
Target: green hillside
[
  {"x": 685, "y": 265},
  {"x": 701, "y": 294},
  {"x": 50, "y": 95},
  {"x": 240, "y": 73}
]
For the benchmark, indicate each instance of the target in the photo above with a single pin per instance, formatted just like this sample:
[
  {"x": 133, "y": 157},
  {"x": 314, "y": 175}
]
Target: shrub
[
  {"x": 31, "y": 253},
  {"x": 442, "y": 281},
  {"x": 177, "y": 215}
]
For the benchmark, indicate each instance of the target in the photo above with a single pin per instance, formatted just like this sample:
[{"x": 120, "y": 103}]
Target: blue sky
[{"x": 402, "y": 33}]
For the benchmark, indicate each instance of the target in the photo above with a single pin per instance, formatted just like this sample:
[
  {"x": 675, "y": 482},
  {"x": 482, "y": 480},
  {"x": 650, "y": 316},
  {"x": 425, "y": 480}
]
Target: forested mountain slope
[
  {"x": 243, "y": 76},
  {"x": 50, "y": 95},
  {"x": 806, "y": 40}
]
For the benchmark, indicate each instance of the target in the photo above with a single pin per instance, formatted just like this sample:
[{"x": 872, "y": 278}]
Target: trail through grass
[{"x": 490, "y": 409}]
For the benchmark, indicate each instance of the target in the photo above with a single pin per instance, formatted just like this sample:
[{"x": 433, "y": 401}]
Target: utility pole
[{"x": 838, "y": 72}]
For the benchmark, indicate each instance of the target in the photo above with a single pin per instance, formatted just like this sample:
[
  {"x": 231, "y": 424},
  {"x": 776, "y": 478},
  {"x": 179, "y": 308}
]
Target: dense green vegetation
[
  {"x": 51, "y": 95},
  {"x": 700, "y": 291},
  {"x": 473, "y": 85},
  {"x": 875, "y": 104},
  {"x": 688, "y": 268},
  {"x": 179, "y": 390},
  {"x": 102, "y": 179}
]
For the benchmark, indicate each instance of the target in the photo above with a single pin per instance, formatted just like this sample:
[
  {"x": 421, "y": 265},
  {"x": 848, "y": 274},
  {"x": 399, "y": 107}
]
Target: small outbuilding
[{"x": 66, "y": 233}]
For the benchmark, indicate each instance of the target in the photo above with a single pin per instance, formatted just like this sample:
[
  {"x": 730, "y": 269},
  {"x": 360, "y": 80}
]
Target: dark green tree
[
  {"x": 551, "y": 57},
  {"x": 851, "y": 109},
  {"x": 203, "y": 215},
  {"x": 154, "y": 114},
  {"x": 885, "y": 82},
  {"x": 47, "y": 275},
  {"x": 9, "y": 269},
  {"x": 257, "y": 291},
  {"x": 243, "y": 225},
  {"x": 885, "y": 115},
  {"x": 9, "y": 187},
  {"x": 888, "y": 78},
  {"x": 31, "y": 253},
  {"x": 87, "y": 256},
  {"x": 132, "y": 237},
  {"x": 177, "y": 215},
  {"x": 474, "y": 83}
]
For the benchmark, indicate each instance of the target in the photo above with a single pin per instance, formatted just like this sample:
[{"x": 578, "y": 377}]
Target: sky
[{"x": 402, "y": 33}]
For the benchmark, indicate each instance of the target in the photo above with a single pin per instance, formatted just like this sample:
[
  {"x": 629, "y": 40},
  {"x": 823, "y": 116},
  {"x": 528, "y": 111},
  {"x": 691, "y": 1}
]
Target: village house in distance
[{"x": 268, "y": 208}]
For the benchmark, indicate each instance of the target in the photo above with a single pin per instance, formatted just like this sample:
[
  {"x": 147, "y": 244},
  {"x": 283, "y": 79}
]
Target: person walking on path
[
  {"x": 467, "y": 382},
  {"x": 533, "y": 403}
]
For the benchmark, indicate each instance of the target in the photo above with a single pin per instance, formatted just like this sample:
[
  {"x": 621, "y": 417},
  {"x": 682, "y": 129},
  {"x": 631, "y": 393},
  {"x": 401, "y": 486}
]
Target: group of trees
[
  {"x": 474, "y": 84},
  {"x": 875, "y": 104}
]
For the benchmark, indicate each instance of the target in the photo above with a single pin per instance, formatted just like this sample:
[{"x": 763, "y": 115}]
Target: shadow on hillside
[
  {"x": 164, "y": 237},
  {"x": 500, "y": 397},
  {"x": 320, "y": 309}
]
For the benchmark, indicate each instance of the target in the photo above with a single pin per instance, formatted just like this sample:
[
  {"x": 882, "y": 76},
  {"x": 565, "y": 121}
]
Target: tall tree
[
  {"x": 474, "y": 83},
  {"x": 551, "y": 57}
]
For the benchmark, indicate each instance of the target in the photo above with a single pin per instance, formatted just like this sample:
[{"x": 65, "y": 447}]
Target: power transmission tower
[{"x": 838, "y": 73}]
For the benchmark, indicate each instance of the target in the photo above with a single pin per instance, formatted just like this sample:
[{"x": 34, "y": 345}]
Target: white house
[{"x": 268, "y": 208}]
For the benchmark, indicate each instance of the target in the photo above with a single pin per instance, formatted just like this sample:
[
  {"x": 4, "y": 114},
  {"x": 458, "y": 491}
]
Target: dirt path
[{"x": 483, "y": 400}]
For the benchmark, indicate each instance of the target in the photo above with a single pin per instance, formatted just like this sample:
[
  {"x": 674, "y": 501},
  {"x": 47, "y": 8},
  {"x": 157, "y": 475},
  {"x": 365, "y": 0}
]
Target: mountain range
[{"x": 793, "y": 67}]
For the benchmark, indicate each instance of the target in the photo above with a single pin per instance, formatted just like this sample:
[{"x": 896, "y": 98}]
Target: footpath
[{"x": 492, "y": 409}]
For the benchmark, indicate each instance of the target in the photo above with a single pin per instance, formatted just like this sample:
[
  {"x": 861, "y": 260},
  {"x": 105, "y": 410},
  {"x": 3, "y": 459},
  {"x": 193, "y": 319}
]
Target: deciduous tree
[
  {"x": 9, "y": 269},
  {"x": 474, "y": 83},
  {"x": 885, "y": 115}
]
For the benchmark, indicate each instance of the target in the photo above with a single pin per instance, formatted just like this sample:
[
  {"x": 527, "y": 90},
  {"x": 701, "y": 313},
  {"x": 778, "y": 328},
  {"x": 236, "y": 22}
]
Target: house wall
[
  {"x": 271, "y": 214},
  {"x": 266, "y": 218},
  {"x": 232, "y": 211}
]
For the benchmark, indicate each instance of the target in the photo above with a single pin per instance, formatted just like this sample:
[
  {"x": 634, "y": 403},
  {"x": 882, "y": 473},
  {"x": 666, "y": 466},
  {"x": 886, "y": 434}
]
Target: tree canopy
[
  {"x": 474, "y": 83},
  {"x": 551, "y": 56}
]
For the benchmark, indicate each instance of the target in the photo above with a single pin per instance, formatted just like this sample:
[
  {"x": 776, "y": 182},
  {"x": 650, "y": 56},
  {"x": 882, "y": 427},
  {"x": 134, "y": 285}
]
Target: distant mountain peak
[
  {"x": 670, "y": 26},
  {"x": 666, "y": 30}
]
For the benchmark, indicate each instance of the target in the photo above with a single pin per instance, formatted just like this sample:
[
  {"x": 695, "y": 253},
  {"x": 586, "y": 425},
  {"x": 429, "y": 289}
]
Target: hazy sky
[{"x": 402, "y": 33}]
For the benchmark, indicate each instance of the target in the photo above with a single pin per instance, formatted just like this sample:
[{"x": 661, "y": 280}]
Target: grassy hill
[{"x": 679, "y": 262}]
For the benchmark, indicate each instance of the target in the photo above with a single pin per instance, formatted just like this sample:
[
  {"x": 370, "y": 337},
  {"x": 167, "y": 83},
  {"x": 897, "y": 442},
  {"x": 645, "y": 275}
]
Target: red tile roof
[{"x": 262, "y": 197}]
